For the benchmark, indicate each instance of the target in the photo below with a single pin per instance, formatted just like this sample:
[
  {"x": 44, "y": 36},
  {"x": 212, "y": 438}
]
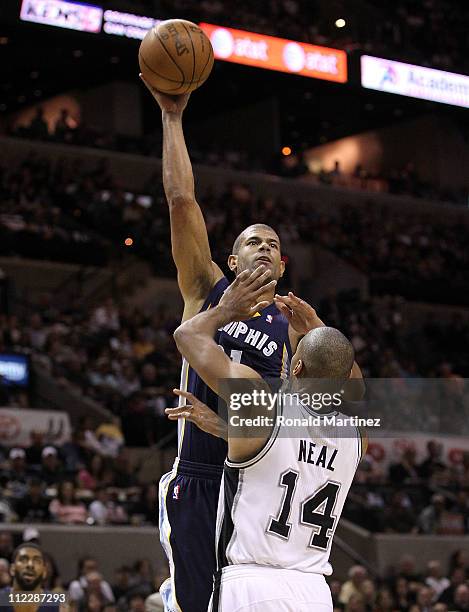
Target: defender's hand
[
  {"x": 301, "y": 316},
  {"x": 240, "y": 299},
  {"x": 198, "y": 413},
  {"x": 168, "y": 103}
]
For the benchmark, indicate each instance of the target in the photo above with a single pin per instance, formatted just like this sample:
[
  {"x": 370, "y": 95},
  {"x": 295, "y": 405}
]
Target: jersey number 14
[{"x": 315, "y": 511}]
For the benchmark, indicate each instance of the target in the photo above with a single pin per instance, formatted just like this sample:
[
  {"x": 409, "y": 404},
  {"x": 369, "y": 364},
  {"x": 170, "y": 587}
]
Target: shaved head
[
  {"x": 326, "y": 353},
  {"x": 256, "y": 226}
]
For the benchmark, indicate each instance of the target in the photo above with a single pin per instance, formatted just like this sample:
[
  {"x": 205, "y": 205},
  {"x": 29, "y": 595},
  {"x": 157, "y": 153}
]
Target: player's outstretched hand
[
  {"x": 240, "y": 300},
  {"x": 167, "y": 103},
  {"x": 301, "y": 316},
  {"x": 199, "y": 413}
]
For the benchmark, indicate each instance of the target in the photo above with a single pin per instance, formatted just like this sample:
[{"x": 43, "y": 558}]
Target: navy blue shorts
[{"x": 187, "y": 519}]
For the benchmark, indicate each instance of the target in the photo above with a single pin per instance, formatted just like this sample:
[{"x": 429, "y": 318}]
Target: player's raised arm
[{"x": 190, "y": 247}]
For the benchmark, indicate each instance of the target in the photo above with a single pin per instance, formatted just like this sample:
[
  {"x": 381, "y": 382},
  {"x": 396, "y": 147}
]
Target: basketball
[{"x": 175, "y": 56}]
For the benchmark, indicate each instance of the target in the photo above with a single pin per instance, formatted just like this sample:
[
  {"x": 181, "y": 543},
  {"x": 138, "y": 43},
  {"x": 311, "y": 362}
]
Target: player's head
[
  {"x": 323, "y": 353},
  {"x": 28, "y": 568},
  {"x": 257, "y": 245}
]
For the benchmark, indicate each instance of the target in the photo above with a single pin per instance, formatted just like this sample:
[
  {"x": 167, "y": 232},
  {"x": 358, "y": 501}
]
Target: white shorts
[{"x": 257, "y": 588}]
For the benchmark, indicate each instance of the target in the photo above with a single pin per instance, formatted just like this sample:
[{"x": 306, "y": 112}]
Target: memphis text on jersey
[{"x": 308, "y": 421}]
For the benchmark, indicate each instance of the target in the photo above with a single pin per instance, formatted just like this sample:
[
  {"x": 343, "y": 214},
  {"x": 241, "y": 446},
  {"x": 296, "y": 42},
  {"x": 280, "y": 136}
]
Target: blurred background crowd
[{"x": 88, "y": 292}]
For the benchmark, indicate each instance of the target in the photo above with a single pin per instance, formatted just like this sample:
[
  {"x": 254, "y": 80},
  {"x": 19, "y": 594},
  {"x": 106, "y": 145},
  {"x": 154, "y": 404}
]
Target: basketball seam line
[
  {"x": 170, "y": 56},
  {"x": 162, "y": 76},
  {"x": 193, "y": 56},
  {"x": 206, "y": 64}
]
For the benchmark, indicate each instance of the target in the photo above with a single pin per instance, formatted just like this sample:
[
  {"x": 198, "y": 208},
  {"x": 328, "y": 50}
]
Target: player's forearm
[
  {"x": 178, "y": 179},
  {"x": 196, "y": 334}
]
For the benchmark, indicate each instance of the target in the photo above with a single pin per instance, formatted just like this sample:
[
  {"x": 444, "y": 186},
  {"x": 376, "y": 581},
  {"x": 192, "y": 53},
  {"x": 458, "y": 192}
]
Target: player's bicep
[{"x": 191, "y": 250}]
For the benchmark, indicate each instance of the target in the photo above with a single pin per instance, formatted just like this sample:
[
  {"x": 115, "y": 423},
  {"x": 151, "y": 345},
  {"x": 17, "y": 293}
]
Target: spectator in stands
[
  {"x": 66, "y": 508},
  {"x": 16, "y": 477},
  {"x": 35, "y": 448},
  {"x": 401, "y": 593},
  {"x": 34, "y": 506},
  {"x": 357, "y": 574},
  {"x": 124, "y": 473},
  {"x": 122, "y": 582},
  {"x": 384, "y": 601},
  {"x": 433, "y": 461},
  {"x": 91, "y": 477},
  {"x": 93, "y": 602},
  {"x": 74, "y": 452},
  {"x": 136, "y": 603},
  {"x": 106, "y": 511},
  {"x": 146, "y": 506},
  {"x": 95, "y": 584},
  {"x": 425, "y": 596},
  {"x": 406, "y": 470},
  {"x": 457, "y": 578},
  {"x": 106, "y": 317},
  {"x": 5, "y": 578},
  {"x": 429, "y": 520},
  {"x": 64, "y": 126},
  {"x": 128, "y": 382},
  {"x": 51, "y": 470},
  {"x": 6, "y": 545},
  {"x": 38, "y": 127},
  {"x": 78, "y": 589},
  {"x": 459, "y": 559},
  {"x": 461, "y": 598},
  {"x": 110, "y": 437},
  {"x": 368, "y": 591},
  {"x": 435, "y": 579},
  {"x": 7, "y": 514},
  {"x": 399, "y": 515},
  {"x": 142, "y": 346}
]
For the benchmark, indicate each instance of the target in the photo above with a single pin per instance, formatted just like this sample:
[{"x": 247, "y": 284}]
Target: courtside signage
[
  {"x": 70, "y": 15},
  {"x": 414, "y": 81},
  {"x": 261, "y": 51}
]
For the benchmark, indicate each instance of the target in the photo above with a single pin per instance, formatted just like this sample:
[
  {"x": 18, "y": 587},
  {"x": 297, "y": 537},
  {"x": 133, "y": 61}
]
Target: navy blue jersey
[{"x": 261, "y": 343}]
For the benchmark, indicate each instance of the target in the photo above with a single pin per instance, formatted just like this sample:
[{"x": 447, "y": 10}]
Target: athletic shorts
[
  {"x": 256, "y": 588},
  {"x": 187, "y": 521}
]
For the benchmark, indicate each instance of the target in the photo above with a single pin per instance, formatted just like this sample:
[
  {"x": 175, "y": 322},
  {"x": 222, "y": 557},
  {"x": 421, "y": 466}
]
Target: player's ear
[
  {"x": 282, "y": 268},
  {"x": 12, "y": 570},
  {"x": 298, "y": 368},
  {"x": 233, "y": 262}
]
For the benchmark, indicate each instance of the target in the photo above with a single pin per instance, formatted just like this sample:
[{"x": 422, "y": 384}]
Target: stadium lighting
[
  {"x": 286, "y": 151},
  {"x": 128, "y": 242},
  {"x": 340, "y": 23}
]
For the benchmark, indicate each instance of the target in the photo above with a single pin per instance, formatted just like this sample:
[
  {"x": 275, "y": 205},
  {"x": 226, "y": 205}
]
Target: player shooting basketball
[
  {"x": 283, "y": 491},
  {"x": 189, "y": 494}
]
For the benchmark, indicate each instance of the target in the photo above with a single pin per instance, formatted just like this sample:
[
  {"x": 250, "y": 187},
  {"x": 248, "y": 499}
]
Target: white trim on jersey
[{"x": 263, "y": 451}]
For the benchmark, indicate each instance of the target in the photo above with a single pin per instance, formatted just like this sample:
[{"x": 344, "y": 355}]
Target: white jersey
[{"x": 281, "y": 508}]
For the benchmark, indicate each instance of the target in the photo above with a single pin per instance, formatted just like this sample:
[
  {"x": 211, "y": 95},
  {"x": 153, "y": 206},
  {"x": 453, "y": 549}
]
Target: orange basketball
[{"x": 175, "y": 56}]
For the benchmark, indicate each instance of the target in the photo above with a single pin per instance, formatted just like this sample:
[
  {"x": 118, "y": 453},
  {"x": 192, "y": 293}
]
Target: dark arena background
[{"x": 353, "y": 143}]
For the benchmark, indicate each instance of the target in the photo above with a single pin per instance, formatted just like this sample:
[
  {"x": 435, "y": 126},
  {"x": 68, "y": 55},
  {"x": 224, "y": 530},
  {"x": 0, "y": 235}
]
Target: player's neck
[{"x": 268, "y": 296}]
